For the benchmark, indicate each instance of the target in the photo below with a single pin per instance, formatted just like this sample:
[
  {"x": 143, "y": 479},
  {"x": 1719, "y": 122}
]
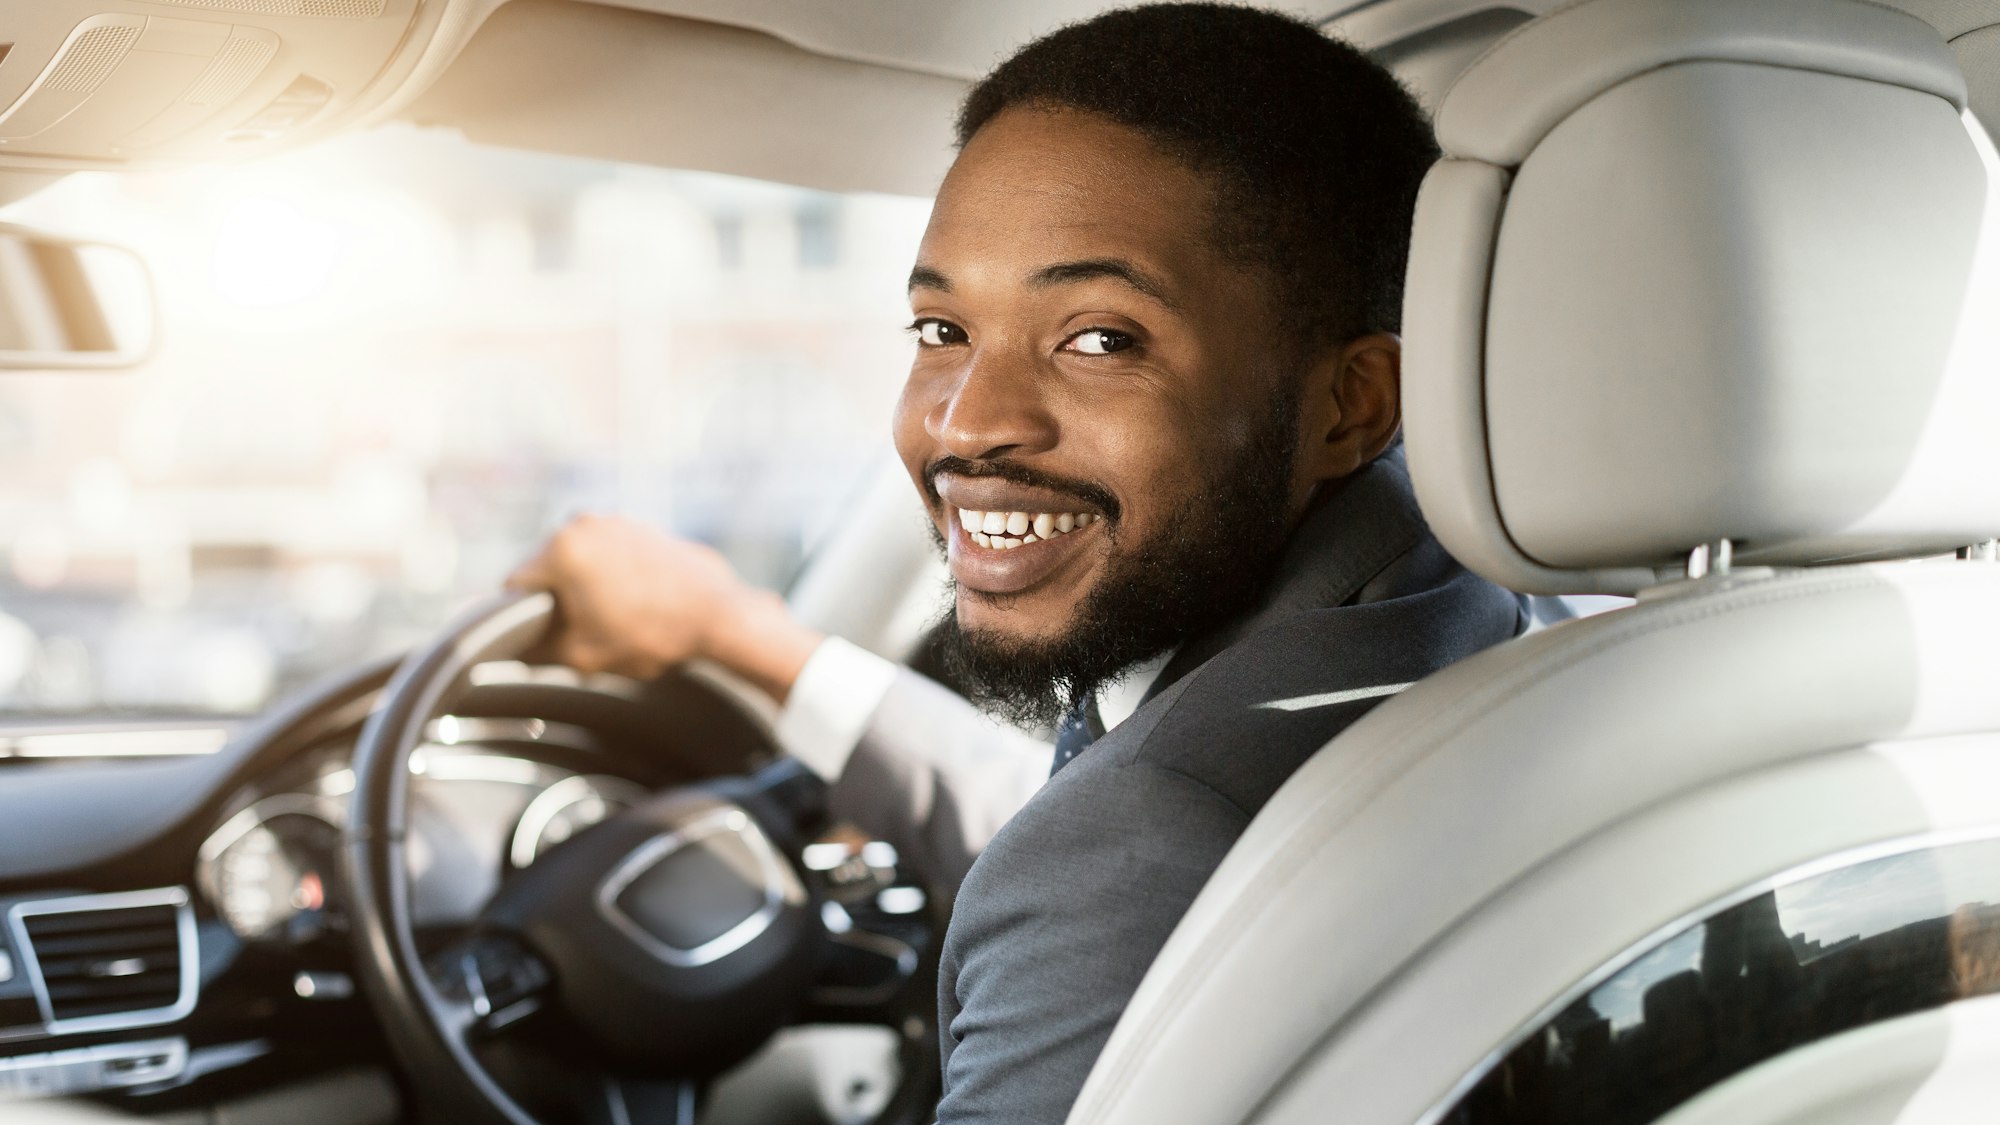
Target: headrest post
[{"x": 1710, "y": 559}]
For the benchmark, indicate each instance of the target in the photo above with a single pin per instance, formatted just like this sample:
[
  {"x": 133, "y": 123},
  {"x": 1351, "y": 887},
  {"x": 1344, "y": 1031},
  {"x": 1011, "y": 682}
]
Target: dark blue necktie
[{"x": 1079, "y": 729}]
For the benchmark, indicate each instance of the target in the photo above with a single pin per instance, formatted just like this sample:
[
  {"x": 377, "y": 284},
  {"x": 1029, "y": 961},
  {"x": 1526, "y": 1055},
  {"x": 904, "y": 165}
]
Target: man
[{"x": 1153, "y": 417}]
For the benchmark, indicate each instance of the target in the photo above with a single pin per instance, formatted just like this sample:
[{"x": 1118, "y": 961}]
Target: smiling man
[{"x": 1153, "y": 415}]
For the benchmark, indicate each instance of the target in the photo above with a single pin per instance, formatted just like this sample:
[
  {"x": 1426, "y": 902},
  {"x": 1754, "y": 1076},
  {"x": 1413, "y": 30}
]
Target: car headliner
[
  {"x": 860, "y": 96},
  {"x": 855, "y": 96}
]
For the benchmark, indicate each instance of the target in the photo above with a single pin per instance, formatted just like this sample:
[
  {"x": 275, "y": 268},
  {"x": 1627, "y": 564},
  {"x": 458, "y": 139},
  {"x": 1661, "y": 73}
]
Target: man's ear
[{"x": 1353, "y": 407}]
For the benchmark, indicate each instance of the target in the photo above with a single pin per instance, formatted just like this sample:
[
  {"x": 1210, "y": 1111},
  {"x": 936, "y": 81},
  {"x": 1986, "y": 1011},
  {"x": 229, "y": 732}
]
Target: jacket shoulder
[{"x": 1247, "y": 718}]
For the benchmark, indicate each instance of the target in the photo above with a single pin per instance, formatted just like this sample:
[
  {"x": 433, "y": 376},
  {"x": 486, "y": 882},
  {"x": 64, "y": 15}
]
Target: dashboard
[{"x": 173, "y": 930}]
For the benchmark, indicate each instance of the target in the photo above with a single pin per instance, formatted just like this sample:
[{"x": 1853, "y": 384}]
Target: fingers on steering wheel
[
  {"x": 535, "y": 574},
  {"x": 589, "y": 655}
]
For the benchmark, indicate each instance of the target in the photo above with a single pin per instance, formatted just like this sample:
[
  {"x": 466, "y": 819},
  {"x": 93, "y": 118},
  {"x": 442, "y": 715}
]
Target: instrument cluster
[{"x": 479, "y": 808}]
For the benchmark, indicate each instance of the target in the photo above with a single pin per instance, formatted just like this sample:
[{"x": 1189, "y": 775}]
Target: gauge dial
[
  {"x": 567, "y": 808},
  {"x": 268, "y": 868}
]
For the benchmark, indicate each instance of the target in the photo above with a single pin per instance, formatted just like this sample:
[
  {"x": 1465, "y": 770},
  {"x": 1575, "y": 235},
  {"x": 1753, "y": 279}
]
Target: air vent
[{"x": 110, "y": 961}]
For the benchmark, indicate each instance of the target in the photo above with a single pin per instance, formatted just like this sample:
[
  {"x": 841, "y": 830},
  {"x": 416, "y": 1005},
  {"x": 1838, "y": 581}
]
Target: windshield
[{"x": 391, "y": 364}]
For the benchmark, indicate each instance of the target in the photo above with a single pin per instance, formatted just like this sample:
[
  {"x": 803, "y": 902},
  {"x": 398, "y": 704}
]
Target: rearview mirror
[{"x": 69, "y": 303}]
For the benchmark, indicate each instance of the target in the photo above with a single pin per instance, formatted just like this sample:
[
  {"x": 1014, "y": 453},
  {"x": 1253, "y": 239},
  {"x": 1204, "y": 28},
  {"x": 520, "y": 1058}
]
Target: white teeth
[{"x": 1018, "y": 529}]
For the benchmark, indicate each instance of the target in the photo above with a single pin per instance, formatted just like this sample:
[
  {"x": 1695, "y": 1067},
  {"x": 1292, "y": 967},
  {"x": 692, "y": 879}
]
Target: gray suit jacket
[{"x": 1061, "y": 914}]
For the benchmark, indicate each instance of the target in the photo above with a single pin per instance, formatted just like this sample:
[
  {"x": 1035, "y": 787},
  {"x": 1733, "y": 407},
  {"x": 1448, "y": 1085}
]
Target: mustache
[{"x": 1013, "y": 472}]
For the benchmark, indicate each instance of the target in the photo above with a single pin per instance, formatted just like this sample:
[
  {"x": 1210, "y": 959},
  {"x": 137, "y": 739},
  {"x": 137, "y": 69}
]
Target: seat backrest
[{"x": 1700, "y": 283}]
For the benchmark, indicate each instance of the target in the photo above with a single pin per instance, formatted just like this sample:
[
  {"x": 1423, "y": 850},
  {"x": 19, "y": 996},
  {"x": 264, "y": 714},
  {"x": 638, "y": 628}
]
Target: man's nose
[{"x": 995, "y": 406}]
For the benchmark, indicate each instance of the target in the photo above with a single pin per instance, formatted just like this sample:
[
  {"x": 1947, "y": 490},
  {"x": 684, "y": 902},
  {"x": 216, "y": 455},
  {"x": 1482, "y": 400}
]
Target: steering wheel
[{"x": 622, "y": 968}]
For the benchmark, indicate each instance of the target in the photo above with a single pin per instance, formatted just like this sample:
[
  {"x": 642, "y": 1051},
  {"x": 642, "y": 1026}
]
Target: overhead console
[{"x": 117, "y": 83}]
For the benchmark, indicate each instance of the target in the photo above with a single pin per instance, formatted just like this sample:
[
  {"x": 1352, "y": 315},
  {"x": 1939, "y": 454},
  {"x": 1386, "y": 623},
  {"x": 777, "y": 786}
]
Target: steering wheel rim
[{"x": 374, "y": 841}]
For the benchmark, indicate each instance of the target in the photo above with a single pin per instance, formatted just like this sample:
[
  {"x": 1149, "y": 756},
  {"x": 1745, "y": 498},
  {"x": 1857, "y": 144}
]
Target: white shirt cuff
[{"x": 831, "y": 703}]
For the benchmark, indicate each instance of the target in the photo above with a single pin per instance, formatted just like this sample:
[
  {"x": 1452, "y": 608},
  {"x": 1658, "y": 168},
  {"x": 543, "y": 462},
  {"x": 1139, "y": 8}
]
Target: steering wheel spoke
[
  {"x": 631, "y": 1101},
  {"x": 490, "y": 983}
]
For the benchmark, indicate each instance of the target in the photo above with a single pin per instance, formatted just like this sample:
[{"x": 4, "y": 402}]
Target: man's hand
[{"x": 635, "y": 601}]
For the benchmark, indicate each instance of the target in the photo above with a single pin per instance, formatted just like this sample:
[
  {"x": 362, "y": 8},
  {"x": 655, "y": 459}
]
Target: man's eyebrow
[
  {"x": 1090, "y": 269},
  {"x": 924, "y": 277}
]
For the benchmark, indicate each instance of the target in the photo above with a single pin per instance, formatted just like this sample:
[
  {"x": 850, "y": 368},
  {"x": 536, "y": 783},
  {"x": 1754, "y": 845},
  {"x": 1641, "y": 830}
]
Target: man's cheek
[{"x": 906, "y": 428}]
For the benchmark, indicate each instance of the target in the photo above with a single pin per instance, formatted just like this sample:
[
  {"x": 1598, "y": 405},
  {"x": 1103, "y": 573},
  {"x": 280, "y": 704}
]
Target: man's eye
[
  {"x": 1098, "y": 341},
  {"x": 934, "y": 333}
]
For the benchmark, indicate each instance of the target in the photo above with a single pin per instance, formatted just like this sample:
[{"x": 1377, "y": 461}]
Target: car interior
[{"x": 1702, "y": 337}]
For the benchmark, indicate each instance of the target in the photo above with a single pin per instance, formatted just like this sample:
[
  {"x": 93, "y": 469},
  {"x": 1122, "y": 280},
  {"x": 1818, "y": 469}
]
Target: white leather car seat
[{"x": 1704, "y": 305}]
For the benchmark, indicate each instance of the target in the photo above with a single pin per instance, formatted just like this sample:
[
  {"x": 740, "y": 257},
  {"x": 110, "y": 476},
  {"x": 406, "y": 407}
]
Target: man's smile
[
  {"x": 1012, "y": 564},
  {"x": 1007, "y": 538}
]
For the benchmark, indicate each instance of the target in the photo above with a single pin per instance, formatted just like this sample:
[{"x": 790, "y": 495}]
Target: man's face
[{"x": 1089, "y": 361}]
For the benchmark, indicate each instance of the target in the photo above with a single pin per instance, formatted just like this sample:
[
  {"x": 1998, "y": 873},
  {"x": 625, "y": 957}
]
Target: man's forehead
[
  {"x": 1024, "y": 241},
  {"x": 1067, "y": 170},
  {"x": 1149, "y": 283},
  {"x": 1080, "y": 207},
  {"x": 1057, "y": 141}
]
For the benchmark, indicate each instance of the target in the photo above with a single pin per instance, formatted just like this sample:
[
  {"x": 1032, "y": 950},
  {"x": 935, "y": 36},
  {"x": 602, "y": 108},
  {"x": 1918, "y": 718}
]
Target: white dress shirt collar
[{"x": 1118, "y": 699}]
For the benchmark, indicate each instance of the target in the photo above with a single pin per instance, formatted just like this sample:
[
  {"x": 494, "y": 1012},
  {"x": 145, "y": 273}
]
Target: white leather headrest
[{"x": 1696, "y": 270}]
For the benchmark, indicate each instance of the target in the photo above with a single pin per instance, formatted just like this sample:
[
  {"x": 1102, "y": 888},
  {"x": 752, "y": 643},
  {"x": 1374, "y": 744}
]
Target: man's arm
[
  {"x": 910, "y": 761},
  {"x": 931, "y": 774},
  {"x": 1057, "y": 924}
]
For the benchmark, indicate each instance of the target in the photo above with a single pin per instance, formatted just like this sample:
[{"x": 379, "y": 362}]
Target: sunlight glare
[{"x": 270, "y": 253}]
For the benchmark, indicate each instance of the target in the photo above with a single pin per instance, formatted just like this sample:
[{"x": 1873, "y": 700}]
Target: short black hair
[{"x": 1314, "y": 149}]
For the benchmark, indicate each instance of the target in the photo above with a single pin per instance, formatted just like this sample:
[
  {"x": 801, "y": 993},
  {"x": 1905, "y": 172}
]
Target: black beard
[{"x": 1207, "y": 566}]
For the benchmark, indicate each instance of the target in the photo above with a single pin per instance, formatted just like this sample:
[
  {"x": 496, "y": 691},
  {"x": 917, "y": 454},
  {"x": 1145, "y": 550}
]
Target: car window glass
[
  {"x": 1863, "y": 942},
  {"x": 389, "y": 365}
]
